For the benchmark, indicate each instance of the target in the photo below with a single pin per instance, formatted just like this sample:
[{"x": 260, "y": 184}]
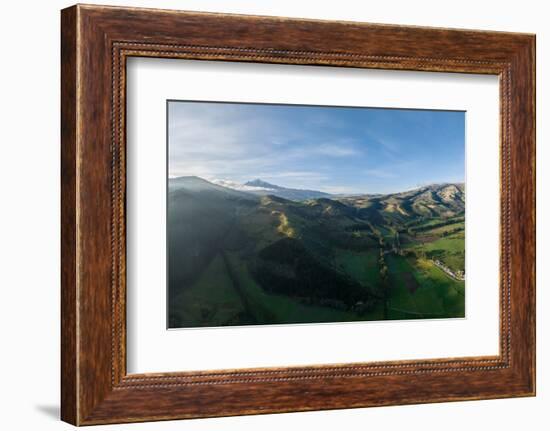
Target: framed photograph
[{"x": 263, "y": 214}]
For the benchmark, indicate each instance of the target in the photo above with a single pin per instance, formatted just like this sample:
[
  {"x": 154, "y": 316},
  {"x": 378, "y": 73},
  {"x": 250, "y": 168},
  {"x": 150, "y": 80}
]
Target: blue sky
[{"x": 332, "y": 149}]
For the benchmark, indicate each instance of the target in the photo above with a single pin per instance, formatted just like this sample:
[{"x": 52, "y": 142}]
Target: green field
[
  {"x": 421, "y": 290},
  {"x": 211, "y": 300},
  {"x": 361, "y": 265},
  {"x": 448, "y": 249}
]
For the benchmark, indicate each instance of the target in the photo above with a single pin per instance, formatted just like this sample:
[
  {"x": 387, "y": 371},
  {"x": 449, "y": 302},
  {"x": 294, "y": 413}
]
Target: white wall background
[{"x": 29, "y": 215}]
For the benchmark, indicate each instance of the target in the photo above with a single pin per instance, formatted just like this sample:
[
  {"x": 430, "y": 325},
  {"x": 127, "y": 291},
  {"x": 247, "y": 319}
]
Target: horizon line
[{"x": 412, "y": 188}]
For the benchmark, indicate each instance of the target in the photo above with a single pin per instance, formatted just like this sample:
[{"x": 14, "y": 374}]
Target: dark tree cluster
[{"x": 287, "y": 267}]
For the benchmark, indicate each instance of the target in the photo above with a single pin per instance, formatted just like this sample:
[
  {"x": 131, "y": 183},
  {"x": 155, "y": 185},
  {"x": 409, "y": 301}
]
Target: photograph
[
  {"x": 287, "y": 214},
  {"x": 275, "y": 210}
]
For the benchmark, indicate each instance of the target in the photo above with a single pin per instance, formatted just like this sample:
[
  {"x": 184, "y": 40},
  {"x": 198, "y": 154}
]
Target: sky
[{"x": 331, "y": 149}]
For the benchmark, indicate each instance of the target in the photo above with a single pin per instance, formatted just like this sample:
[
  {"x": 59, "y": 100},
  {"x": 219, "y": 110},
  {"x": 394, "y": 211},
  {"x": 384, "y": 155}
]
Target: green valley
[{"x": 286, "y": 256}]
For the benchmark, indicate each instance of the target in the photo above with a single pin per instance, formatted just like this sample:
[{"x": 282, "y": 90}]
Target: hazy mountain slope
[
  {"x": 193, "y": 184},
  {"x": 200, "y": 215},
  {"x": 265, "y": 188}
]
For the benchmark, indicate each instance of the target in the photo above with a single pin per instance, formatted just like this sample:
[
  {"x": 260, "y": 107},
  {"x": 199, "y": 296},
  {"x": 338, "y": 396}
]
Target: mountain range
[
  {"x": 263, "y": 188},
  {"x": 444, "y": 199},
  {"x": 258, "y": 253}
]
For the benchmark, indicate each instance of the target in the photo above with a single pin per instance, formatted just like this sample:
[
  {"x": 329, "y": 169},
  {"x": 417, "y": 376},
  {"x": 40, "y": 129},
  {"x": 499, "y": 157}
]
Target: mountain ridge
[
  {"x": 343, "y": 258},
  {"x": 284, "y": 192},
  {"x": 437, "y": 199}
]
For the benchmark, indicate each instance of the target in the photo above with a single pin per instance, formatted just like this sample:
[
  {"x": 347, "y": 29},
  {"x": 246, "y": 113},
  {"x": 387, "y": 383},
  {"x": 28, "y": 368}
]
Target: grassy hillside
[{"x": 237, "y": 258}]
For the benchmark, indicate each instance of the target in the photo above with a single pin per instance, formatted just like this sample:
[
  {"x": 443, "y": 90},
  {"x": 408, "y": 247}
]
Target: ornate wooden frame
[{"x": 96, "y": 41}]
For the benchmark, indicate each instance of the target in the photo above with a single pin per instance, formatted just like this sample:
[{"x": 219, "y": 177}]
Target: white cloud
[
  {"x": 223, "y": 141},
  {"x": 380, "y": 173},
  {"x": 236, "y": 143},
  {"x": 237, "y": 186},
  {"x": 340, "y": 190},
  {"x": 294, "y": 174},
  {"x": 337, "y": 150}
]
